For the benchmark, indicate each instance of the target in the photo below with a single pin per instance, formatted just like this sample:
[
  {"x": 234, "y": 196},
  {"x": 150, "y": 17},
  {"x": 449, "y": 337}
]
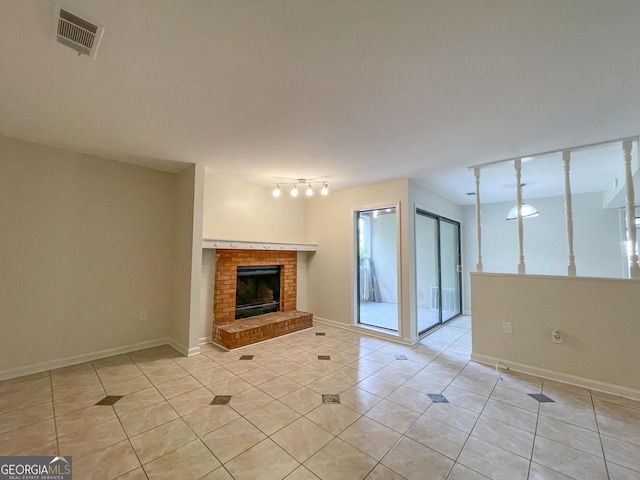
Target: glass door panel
[
  {"x": 427, "y": 274},
  {"x": 438, "y": 277},
  {"x": 450, "y": 275},
  {"x": 377, "y": 265}
]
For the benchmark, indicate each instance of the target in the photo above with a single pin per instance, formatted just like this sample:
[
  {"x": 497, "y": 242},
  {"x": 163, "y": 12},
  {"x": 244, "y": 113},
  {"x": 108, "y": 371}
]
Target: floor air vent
[{"x": 77, "y": 33}]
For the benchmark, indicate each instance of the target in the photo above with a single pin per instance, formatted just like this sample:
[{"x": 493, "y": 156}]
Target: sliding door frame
[
  {"x": 439, "y": 218},
  {"x": 355, "y": 296}
]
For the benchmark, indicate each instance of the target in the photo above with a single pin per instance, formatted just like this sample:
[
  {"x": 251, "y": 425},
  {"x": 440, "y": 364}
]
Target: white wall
[
  {"x": 85, "y": 245},
  {"x": 597, "y": 239},
  {"x": 207, "y": 282},
  {"x": 301, "y": 288},
  {"x": 331, "y": 225},
  {"x": 182, "y": 259},
  {"x": 239, "y": 211},
  {"x": 598, "y": 318},
  {"x": 196, "y": 260}
]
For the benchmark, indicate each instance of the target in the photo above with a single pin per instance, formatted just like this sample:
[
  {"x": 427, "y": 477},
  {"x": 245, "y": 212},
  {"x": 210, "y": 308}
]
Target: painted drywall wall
[
  {"x": 331, "y": 224},
  {"x": 187, "y": 259},
  {"x": 597, "y": 239},
  {"x": 85, "y": 246},
  {"x": 207, "y": 282},
  {"x": 431, "y": 202},
  {"x": 598, "y": 318},
  {"x": 196, "y": 260},
  {"x": 239, "y": 211},
  {"x": 301, "y": 288}
]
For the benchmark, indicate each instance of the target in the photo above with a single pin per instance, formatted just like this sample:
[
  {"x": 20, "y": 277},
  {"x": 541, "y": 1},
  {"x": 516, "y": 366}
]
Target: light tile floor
[{"x": 276, "y": 426}]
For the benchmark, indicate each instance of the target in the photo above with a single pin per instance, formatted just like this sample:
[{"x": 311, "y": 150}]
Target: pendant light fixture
[
  {"x": 527, "y": 211},
  {"x": 325, "y": 189},
  {"x": 276, "y": 191},
  {"x": 294, "y": 190}
]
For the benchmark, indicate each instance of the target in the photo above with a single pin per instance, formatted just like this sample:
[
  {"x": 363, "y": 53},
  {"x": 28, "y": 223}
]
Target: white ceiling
[{"x": 349, "y": 91}]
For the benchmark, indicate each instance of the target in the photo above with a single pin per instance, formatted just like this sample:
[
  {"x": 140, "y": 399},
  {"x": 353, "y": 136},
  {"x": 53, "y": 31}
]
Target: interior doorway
[{"x": 438, "y": 270}]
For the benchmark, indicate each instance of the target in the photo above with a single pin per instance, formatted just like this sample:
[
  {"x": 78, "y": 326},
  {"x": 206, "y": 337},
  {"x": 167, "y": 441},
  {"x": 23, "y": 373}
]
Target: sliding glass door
[
  {"x": 438, "y": 278},
  {"x": 450, "y": 276},
  {"x": 377, "y": 268}
]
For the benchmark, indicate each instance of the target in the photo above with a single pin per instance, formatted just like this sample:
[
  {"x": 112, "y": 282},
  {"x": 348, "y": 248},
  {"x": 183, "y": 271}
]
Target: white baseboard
[
  {"x": 363, "y": 330},
  {"x": 193, "y": 351},
  {"x": 561, "y": 377},
  {"x": 204, "y": 340},
  {"x": 87, "y": 357},
  {"x": 186, "y": 351}
]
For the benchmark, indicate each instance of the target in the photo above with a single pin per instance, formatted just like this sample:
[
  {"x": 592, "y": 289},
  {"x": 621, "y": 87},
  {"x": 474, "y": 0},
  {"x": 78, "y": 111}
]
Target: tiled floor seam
[
  {"x": 129, "y": 437},
  {"x": 604, "y": 455},
  {"x": 474, "y": 426},
  {"x": 120, "y": 421},
  {"x": 55, "y": 422},
  {"x": 535, "y": 437}
]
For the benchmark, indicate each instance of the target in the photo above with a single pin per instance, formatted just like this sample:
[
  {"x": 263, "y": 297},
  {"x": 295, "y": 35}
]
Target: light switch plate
[{"x": 507, "y": 328}]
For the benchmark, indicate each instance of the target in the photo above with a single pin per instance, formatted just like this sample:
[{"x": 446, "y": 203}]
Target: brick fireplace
[{"x": 232, "y": 333}]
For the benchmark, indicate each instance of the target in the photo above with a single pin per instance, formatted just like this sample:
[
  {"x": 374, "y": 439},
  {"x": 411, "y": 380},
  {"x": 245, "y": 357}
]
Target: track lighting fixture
[{"x": 308, "y": 191}]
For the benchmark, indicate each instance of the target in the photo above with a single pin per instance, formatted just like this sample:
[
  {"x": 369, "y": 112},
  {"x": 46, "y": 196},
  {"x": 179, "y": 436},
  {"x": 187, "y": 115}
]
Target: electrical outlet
[
  {"x": 507, "y": 328},
  {"x": 143, "y": 316},
  {"x": 556, "y": 336}
]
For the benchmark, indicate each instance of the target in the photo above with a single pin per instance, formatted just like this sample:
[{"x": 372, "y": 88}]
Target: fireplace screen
[{"x": 257, "y": 291}]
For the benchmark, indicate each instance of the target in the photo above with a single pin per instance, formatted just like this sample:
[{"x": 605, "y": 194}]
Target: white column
[
  {"x": 568, "y": 211},
  {"x": 476, "y": 172},
  {"x": 517, "y": 164},
  {"x": 634, "y": 268}
]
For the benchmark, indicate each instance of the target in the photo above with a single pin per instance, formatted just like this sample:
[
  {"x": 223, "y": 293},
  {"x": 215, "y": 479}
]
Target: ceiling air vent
[{"x": 77, "y": 33}]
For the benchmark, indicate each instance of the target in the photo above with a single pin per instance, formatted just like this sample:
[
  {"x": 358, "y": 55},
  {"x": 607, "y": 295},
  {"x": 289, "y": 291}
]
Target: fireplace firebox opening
[{"x": 257, "y": 290}]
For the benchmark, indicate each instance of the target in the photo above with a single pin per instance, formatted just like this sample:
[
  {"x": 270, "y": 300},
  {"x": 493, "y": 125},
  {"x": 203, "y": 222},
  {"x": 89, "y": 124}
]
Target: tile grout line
[
  {"x": 55, "y": 418},
  {"x": 535, "y": 435},
  {"x": 604, "y": 455},
  {"x": 474, "y": 424},
  {"x": 181, "y": 419}
]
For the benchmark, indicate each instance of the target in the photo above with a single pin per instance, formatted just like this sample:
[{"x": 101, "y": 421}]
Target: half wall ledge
[
  {"x": 251, "y": 245},
  {"x": 241, "y": 333}
]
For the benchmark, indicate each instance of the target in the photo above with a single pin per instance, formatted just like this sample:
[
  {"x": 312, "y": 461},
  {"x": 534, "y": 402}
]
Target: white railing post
[
  {"x": 568, "y": 210},
  {"x": 517, "y": 164},
  {"x": 476, "y": 172},
  {"x": 634, "y": 268}
]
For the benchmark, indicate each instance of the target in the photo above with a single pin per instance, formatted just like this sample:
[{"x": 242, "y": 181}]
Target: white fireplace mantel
[{"x": 247, "y": 245}]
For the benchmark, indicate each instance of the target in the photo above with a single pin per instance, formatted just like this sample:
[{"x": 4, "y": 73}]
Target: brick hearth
[
  {"x": 261, "y": 327},
  {"x": 232, "y": 333}
]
